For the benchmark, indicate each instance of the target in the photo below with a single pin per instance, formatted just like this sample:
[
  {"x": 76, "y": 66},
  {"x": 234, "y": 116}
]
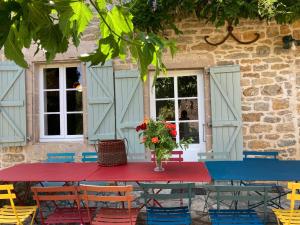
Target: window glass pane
[
  {"x": 51, "y": 78},
  {"x": 187, "y": 86},
  {"x": 188, "y": 109},
  {"x": 74, "y": 101},
  {"x": 52, "y": 124},
  {"x": 75, "y": 124},
  {"x": 164, "y": 87},
  {"x": 51, "y": 101},
  {"x": 73, "y": 77},
  {"x": 189, "y": 130},
  {"x": 166, "y": 110}
]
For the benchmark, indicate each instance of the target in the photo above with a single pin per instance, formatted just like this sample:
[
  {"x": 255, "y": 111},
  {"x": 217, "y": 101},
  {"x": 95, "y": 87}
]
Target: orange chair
[
  {"x": 61, "y": 214},
  {"x": 105, "y": 216}
]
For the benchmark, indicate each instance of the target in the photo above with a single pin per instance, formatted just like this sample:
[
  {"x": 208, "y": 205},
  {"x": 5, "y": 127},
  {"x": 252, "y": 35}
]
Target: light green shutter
[
  {"x": 130, "y": 110},
  {"x": 12, "y": 105},
  {"x": 101, "y": 121},
  {"x": 226, "y": 110}
]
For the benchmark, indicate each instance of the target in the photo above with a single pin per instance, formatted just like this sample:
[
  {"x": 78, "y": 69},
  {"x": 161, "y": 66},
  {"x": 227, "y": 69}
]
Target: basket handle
[{"x": 126, "y": 145}]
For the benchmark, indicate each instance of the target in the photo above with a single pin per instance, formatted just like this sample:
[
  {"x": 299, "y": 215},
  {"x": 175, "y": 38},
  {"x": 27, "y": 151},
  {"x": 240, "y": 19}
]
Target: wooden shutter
[
  {"x": 226, "y": 110},
  {"x": 129, "y": 110},
  {"x": 12, "y": 105},
  {"x": 101, "y": 121}
]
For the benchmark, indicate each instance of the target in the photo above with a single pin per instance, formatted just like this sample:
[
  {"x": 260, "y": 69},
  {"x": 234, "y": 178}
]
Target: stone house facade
[{"x": 269, "y": 88}]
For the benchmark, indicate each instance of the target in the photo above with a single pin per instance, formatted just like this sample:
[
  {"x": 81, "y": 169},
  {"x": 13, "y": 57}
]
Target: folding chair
[
  {"x": 168, "y": 215},
  {"x": 253, "y": 156},
  {"x": 61, "y": 214},
  {"x": 11, "y": 214},
  {"x": 105, "y": 216},
  {"x": 238, "y": 195},
  {"x": 290, "y": 216}
]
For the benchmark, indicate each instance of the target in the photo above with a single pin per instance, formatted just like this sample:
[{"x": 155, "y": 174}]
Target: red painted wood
[
  {"x": 37, "y": 172},
  {"x": 143, "y": 171}
]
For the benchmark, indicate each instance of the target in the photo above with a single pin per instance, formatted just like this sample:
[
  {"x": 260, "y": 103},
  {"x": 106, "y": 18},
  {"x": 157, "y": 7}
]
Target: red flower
[
  {"x": 143, "y": 126},
  {"x": 173, "y": 133},
  {"x": 154, "y": 140},
  {"x": 171, "y": 126},
  {"x": 138, "y": 128}
]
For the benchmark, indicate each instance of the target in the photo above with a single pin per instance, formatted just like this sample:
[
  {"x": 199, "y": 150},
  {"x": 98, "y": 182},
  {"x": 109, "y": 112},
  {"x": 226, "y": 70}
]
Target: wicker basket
[{"x": 112, "y": 152}]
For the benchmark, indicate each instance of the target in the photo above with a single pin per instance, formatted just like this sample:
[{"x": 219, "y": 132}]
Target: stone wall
[{"x": 270, "y": 81}]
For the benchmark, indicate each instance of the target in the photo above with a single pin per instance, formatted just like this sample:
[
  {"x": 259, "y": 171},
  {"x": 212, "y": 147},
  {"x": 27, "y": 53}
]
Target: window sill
[{"x": 77, "y": 139}]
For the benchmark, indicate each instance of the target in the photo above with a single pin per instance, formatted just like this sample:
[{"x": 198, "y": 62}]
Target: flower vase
[{"x": 158, "y": 167}]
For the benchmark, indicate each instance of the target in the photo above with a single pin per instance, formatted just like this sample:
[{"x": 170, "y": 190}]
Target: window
[{"x": 61, "y": 113}]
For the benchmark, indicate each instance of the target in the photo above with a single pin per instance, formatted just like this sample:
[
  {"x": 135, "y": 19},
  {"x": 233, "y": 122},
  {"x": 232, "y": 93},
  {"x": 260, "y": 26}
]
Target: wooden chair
[
  {"x": 61, "y": 214},
  {"x": 168, "y": 215},
  {"x": 290, "y": 216},
  {"x": 105, "y": 216},
  {"x": 236, "y": 195},
  {"x": 11, "y": 214},
  {"x": 60, "y": 157},
  {"x": 89, "y": 157},
  {"x": 176, "y": 156}
]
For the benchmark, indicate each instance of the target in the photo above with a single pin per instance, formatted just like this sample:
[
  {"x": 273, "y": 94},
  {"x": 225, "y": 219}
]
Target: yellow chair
[
  {"x": 290, "y": 216},
  {"x": 11, "y": 214}
]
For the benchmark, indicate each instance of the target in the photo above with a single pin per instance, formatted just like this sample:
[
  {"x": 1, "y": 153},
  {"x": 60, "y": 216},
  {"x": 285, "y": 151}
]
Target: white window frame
[
  {"x": 63, "y": 105},
  {"x": 201, "y": 105}
]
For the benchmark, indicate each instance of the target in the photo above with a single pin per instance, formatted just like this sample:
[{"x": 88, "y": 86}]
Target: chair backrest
[
  {"x": 257, "y": 155},
  {"x": 243, "y": 194},
  {"x": 89, "y": 157},
  {"x": 294, "y": 195},
  {"x": 184, "y": 191},
  {"x": 55, "y": 194},
  {"x": 175, "y": 157},
  {"x": 6, "y": 194},
  {"x": 60, "y": 157},
  {"x": 213, "y": 156}
]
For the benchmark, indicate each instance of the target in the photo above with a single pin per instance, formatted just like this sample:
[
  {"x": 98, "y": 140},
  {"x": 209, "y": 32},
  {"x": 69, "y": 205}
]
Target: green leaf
[{"x": 82, "y": 15}]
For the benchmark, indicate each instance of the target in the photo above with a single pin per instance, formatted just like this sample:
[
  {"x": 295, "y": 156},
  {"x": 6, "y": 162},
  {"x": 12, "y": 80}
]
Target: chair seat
[
  {"x": 7, "y": 215},
  {"x": 116, "y": 216},
  {"x": 168, "y": 216},
  {"x": 286, "y": 216},
  {"x": 227, "y": 216},
  {"x": 69, "y": 215}
]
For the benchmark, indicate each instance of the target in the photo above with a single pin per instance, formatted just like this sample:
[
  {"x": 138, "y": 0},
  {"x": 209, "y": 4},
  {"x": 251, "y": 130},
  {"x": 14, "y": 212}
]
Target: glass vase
[{"x": 159, "y": 167}]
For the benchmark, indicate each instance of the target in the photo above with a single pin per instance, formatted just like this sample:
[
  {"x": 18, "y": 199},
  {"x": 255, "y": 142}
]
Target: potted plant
[{"x": 160, "y": 137}]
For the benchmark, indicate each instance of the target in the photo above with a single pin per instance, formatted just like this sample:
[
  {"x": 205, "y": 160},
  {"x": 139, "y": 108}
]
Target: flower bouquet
[{"x": 160, "y": 137}]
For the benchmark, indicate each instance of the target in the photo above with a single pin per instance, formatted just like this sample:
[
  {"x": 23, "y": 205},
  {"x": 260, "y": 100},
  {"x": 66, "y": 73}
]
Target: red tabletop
[
  {"x": 143, "y": 171},
  {"x": 36, "y": 172}
]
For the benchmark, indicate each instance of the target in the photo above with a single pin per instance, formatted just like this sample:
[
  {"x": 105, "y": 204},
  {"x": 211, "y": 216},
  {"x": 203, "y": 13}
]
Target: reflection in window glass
[
  {"x": 188, "y": 109},
  {"x": 75, "y": 125},
  {"x": 187, "y": 86},
  {"x": 189, "y": 130},
  {"x": 51, "y": 99},
  {"x": 51, "y": 78},
  {"x": 52, "y": 124},
  {"x": 74, "y": 101},
  {"x": 73, "y": 77},
  {"x": 164, "y": 87},
  {"x": 165, "y": 110}
]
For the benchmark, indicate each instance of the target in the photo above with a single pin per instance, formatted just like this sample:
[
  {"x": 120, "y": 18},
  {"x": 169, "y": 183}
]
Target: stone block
[
  {"x": 286, "y": 143},
  {"x": 203, "y": 47},
  {"x": 272, "y": 136},
  {"x": 278, "y": 104},
  {"x": 252, "y": 117},
  {"x": 272, "y": 90},
  {"x": 263, "y": 51},
  {"x": 262, "y": 81},
  {"x": 262, "y": 67},
  {"x": 258, "y": 144},
  {"x": 279, "y": 66},
  {"x": 269, "y": 119},
  {"x": 251, "y": 91},
  {"x": 261, "y": 106},
  {"x": 285, "y": 127},
  {"x": 260, "y": 128},
  {"x": 239, "y": 55},
  {"x": 251, "y": 75},
  {"x": 12, "y": 158}
]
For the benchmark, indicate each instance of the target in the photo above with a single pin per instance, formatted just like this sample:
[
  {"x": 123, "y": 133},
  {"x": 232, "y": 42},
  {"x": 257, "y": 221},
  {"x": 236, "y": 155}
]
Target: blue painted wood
[
  {"x": 60, "y": 157},
  {"x": 267, "y": 155},
  {"x": 89, "y": 157}
]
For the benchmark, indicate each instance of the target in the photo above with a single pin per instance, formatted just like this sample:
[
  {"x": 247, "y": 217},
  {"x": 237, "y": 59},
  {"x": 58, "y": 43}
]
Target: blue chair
[
  {"x": 257, "y": 155},
  {"x": 89, "y": 157},
  {"x": 168, "y": 215},
  {"x": 238, "y": 194}
]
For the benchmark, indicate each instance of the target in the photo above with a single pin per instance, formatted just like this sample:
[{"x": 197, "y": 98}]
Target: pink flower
[{"x": 155, "y": 140}]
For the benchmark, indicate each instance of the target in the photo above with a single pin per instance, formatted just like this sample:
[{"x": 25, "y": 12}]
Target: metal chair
[
  {"x": 175, "y": 157},
  {"x": 213, "y": 156},
  {"x": 106, "y": 216},
  {"x": 61, "y": 214},
  {"x": 168, "y": 215},
  {"x": 89, "y": 157},
  {"x": 238, "y": 194},
  {"x": 11, "y": 214},
  {"x": 290, "y": 216}
]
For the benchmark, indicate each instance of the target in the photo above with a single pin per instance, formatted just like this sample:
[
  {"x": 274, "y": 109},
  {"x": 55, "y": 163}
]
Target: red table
[
  {"x": 37, "y": 172},
  {"x": 143, "y": 171}
]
